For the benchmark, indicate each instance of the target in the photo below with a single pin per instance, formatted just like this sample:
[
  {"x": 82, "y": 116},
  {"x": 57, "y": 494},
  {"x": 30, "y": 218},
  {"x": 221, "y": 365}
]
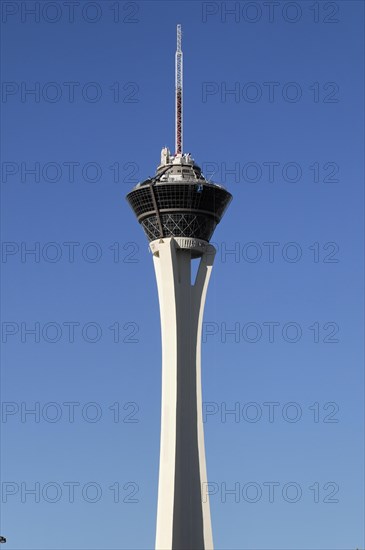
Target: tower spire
[{"x": 179, "y": 94}]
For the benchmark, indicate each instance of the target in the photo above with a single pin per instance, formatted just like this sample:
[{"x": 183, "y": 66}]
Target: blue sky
[{"x": 273, "y": 109}]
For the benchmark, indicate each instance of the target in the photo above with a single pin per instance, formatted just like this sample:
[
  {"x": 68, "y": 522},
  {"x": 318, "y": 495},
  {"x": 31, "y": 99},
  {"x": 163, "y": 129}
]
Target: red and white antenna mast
[{"x": 179, "y": 94}]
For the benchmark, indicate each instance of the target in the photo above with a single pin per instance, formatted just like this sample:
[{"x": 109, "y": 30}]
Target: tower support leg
[{"x": 183, "y": 516}]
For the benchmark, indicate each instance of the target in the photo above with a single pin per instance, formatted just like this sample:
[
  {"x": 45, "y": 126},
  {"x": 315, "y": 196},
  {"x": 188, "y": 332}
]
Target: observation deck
[{"x": 178, "y": 201}]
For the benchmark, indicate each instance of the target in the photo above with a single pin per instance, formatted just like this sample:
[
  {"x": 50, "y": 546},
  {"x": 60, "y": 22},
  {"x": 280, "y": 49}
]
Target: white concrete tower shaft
[{"x": 183, "y": 516}]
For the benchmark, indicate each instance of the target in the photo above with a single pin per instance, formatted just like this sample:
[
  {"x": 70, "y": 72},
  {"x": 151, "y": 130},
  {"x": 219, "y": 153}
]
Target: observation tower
[{"x": 179, "y": 210}]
